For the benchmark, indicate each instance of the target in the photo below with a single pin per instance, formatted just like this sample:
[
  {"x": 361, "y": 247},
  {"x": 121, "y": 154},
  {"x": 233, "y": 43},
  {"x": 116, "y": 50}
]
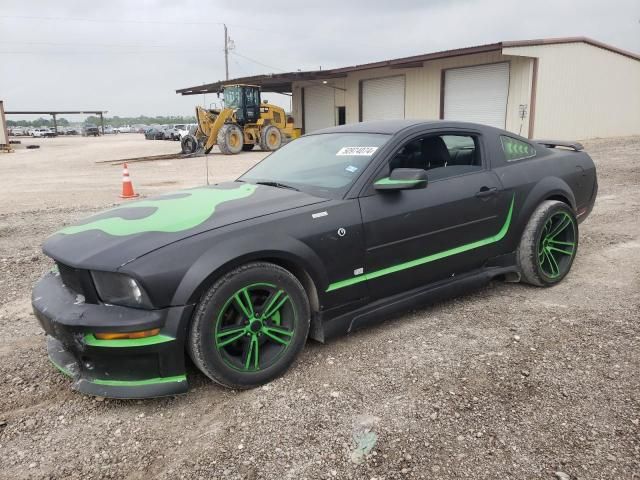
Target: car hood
[{"x": 115, "y": 237}]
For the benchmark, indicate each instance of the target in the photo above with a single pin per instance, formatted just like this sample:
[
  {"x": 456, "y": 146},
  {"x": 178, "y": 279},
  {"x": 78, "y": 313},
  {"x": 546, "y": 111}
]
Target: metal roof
[
  {"x": 378, "y": 126},
  {"x": 282, "y": 82}
]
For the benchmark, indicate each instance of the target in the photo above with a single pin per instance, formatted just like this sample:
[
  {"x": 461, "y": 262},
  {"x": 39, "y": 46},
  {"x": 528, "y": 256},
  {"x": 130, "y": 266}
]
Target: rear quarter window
[{"x": 515, "y": 149}]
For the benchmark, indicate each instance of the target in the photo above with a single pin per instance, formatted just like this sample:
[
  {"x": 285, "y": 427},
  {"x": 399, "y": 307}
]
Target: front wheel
[
  {"x": 249, "y": 326},
  {"x": 230, "y": 139},
  {"x": 549, "y": 244},
  {"x": 270, "y": 138}
]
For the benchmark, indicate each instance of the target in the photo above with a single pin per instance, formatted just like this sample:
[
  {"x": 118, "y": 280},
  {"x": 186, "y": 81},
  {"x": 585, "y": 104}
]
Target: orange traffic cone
[{"x": 127, "y": 186}]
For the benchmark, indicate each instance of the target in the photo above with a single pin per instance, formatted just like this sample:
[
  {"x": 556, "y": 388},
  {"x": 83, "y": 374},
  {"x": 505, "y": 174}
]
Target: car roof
[{"x": 392, "y": 127}]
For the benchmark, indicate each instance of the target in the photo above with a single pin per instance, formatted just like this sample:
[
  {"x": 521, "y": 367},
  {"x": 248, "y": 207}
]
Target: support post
[
  {"x": 102, "y": 123},
  {"x": 55, "y": 123},
  {"x": 226, "y": 52}
]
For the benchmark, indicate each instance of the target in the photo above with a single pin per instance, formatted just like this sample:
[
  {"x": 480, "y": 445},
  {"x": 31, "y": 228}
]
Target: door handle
[{"x": 486, "y": 192}]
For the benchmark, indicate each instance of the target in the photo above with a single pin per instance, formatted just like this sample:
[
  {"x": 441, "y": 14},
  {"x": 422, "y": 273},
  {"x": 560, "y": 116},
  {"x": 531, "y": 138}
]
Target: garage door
[
  {"x": 383, "y": 98},
  {"x": 477, "y": 94},
  {"x": 319, "y": 108}
]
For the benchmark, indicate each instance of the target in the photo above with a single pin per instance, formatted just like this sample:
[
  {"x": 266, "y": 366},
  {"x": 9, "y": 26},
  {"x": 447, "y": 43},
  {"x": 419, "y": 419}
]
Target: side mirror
[{"x": 403, "y": 179}]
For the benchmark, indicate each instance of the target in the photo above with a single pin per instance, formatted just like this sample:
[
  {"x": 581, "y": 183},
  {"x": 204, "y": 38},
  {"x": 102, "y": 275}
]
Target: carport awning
[
  {"x": 282, "y": 82},
  {"x": 275, "y": 82}
]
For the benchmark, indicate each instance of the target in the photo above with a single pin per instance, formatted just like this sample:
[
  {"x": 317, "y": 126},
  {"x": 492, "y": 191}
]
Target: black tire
[
  {"x": 549, "y": 244},
  {"x": 248, "y": 147},
  {"x": 223, "y": 334},
  {"x": 189, "y": 144},
  {"x": 230, "y": 139},
  {"x": 270, "y": 138}
]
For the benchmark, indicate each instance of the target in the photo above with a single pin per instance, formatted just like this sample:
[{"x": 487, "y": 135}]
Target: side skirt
[{"x": 380, "y": 310}]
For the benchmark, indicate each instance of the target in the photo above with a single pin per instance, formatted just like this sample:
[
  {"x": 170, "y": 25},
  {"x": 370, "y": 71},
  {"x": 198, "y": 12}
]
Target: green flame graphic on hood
[{"x": 171, "y": 214}]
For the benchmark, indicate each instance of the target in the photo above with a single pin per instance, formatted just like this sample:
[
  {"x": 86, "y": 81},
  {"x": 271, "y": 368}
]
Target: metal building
[{"x": 569, "y": 88}]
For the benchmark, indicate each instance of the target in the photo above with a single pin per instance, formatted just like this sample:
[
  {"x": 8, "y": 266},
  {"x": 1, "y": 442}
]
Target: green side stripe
[
  {"x": 139, "y": 383},
  {"x": 90, "y": 339},
  {"x": 389, "y": 181},
  {"x": 429, "y": 258}
]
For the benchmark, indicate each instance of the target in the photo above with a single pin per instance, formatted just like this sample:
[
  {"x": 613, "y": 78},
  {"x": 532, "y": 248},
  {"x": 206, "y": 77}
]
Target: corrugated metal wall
[
  {"x": 584, "y": 91},
  {"x": 423, "y": 88}
]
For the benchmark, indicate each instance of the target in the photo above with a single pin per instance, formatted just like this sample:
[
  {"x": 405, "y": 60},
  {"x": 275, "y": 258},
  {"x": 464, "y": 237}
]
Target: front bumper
[{"x": 135, "y": 368}]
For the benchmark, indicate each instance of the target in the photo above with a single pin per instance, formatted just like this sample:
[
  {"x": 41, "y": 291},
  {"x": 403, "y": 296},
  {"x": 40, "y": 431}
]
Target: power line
[
  {"x": 257, "y": 61},
  {"x": 94, "y": 52},
  {"x": 113, "y": 20},
  {"x": 83, "y": 44},
  {"x": 245, "y": 72}
]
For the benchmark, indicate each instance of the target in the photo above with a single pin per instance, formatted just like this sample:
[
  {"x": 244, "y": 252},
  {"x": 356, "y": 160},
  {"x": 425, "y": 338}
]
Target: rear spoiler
[{"x": 558, "y": 143}]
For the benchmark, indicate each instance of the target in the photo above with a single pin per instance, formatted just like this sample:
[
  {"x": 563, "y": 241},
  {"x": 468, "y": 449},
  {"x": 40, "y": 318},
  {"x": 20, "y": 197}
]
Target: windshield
[
  {"x": 325, "y": 165},
  {"x": 232, "y": 97}
]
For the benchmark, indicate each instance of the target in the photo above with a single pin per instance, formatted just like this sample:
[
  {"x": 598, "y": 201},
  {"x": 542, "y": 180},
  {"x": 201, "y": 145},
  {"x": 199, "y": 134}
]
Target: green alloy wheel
[
  {"x": 557, "y": 245},
  {"x": 250, "y": 326},
  {"x": 549, "y": 244}
]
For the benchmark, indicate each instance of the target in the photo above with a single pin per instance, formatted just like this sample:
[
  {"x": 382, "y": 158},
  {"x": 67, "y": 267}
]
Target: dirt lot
[{"x": 511, "y": 382}]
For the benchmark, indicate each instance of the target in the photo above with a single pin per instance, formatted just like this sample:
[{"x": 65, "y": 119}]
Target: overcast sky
[{"x": 130, "y": 57}]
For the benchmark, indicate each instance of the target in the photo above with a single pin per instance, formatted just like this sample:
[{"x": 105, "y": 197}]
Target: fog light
[{"x": 119, "y": 336}]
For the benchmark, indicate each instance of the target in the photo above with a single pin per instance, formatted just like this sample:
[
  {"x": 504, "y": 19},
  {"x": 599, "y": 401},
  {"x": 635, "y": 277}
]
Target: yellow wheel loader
[{"x": 243, "y": 123}]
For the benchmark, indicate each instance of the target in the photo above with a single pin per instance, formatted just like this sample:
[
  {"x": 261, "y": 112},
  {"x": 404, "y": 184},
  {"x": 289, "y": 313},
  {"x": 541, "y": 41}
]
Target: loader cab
[{"x": 245, "y": 100}]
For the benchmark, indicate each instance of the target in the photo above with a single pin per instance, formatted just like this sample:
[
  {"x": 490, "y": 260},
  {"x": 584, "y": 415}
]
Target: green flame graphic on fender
[{"x": 188, "y": 210}]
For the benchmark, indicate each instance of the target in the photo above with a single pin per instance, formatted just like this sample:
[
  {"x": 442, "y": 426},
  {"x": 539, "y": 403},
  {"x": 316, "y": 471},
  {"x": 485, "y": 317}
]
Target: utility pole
[{"x": 226, "y": 52}]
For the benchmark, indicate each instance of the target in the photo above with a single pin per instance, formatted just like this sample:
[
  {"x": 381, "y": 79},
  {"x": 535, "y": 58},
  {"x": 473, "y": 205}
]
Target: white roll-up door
[
  {"x": 477, "y": 94},
  {"x": 383, "y": 98},
  {"x": 319, "y": 108}
]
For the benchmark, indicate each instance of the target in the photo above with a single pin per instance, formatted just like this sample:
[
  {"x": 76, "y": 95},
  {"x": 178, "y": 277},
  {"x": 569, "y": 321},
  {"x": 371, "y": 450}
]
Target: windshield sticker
[
  {"x": 351, "y": 169},
  {"x": 361, "y": 151}
]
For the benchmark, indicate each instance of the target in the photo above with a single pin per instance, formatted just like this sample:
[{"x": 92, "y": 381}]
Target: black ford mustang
[{"x": 334, "y": 231}]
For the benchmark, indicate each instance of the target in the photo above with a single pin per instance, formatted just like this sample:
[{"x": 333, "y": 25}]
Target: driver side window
[{"x": 441, "y": 156}]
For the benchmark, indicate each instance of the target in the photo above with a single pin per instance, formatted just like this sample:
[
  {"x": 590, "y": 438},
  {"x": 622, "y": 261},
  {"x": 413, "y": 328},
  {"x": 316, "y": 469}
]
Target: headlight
[{"x": 120, "y": 289}]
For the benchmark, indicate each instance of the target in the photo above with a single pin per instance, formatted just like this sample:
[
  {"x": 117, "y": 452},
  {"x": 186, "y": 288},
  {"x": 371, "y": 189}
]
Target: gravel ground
[{"x": 509, "y": 382}]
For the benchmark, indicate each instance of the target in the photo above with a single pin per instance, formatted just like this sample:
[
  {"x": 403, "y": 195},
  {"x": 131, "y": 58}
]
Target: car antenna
[{"x": 206, "y": 162}]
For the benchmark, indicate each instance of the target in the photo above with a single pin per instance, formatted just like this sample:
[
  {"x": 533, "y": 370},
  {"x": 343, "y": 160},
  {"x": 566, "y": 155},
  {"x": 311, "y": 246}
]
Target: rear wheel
[
  {"x": 230, "y": 139},
  {"x": 549, "y": 244},
  {"x": 250, "y": 326},
  {"x": 270, "y": 138}
]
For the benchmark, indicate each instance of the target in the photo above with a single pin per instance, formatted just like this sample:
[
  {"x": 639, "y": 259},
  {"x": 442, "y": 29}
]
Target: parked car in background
[
  {"x": 181, "y": 130},
  {"x": 109, "y": 130},
  {"x": 90, "y": 129},
  {"x": 154, "y": 133},
  {"x": 71, "y": 131},
  {"x": 123, "y": 129},
  {"x": 44, "y": 132},
  {"x": 168, "y": 131},
  {"x": 18, "y": 132}
]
